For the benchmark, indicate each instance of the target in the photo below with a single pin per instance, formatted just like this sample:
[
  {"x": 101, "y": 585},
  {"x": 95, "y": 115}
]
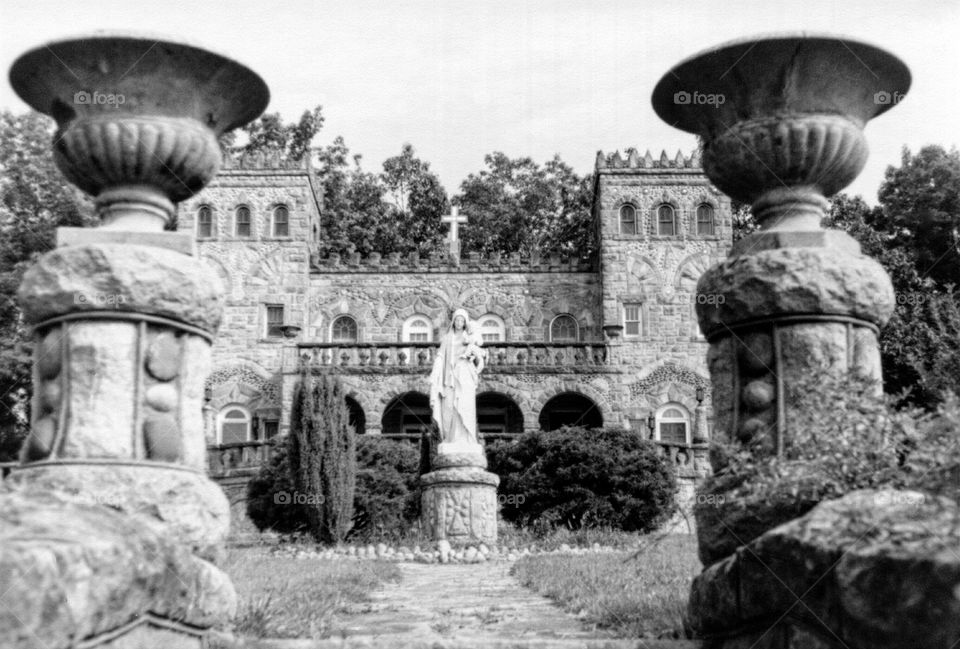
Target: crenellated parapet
[
  {"x": 473, "y": 262},
  {"x": 264, "y": 161},
  {"x": 632, "y": 159}
]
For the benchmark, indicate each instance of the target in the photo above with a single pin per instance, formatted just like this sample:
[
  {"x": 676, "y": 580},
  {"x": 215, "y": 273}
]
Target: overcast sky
[{"x": 460, "y": 79}]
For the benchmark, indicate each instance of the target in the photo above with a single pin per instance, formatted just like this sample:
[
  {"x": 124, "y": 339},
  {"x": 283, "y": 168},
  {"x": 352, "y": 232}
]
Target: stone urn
[
  {"x": 123, "y": 317},
  {"x": 781, "y": 123}
]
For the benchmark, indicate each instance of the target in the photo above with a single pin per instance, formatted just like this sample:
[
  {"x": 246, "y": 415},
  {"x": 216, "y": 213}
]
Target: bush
[
  {"x": 850, "y": 438},
  {"x": 386, "y": 500},
  {"x": 577, "y": 478},
  {"x": 263, "y": 507}
]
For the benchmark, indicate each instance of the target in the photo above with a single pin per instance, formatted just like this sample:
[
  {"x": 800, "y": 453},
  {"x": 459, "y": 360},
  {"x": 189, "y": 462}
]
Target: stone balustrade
[
  {"x": 239, "y": 458},
  {"x": 418, "y": 357}
]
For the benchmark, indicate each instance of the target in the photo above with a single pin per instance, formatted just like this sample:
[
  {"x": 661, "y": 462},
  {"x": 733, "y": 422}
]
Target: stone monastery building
[{"x": 614, "y": 342}]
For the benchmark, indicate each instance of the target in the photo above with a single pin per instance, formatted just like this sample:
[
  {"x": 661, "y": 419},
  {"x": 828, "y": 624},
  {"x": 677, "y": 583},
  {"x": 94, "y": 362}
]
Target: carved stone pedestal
[{"x": 459, "y": 500}]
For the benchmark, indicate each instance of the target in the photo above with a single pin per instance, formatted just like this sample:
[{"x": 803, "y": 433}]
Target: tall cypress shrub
[
  {"x": 323, "y": 456},
  {"x": 338, "y": 459}
]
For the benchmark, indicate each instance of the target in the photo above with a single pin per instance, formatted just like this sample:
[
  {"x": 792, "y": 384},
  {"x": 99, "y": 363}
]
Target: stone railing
[
  {"x": 240, "y": 458},
  {"x": 419, "y": 356},
  {"x": 445, "y": 263}
]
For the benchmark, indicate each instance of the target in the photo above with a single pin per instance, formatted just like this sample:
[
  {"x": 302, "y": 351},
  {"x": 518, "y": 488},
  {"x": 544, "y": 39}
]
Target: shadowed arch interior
[
  {"x": 406, "y": 414},
  {"x": 498, "y": 414},
  {"x": 570, "y": 409},
  {"x": 357, "y": 417}
]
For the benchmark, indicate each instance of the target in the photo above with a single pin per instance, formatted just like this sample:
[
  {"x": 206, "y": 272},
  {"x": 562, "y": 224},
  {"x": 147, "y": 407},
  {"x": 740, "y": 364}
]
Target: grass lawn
[
  {"x": 641, "y": 593},
  {"x": 280, "y": 597}
]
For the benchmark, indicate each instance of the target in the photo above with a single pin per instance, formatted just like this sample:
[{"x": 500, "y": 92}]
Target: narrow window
[
  {"x": 631, "y": 320},
  {"x": 205, "y": 223},
  {"x": 666, "y": 222},
  {"x": 628, "y": 219},
  {"x": 274, "y": 320},
  {"x": 243, "y": 221},
  {"x": 234, "y": 425},
  {"x": 281, "y": 222},
  {"x": 705, "y": 220}
]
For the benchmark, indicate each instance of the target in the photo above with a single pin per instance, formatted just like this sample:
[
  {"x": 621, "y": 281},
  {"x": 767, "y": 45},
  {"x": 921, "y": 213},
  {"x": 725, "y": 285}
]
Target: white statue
[{"x": 453, "y": 385}]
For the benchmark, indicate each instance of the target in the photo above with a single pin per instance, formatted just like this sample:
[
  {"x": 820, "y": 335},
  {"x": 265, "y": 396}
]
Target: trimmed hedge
[{"x": 578, "y": 478}]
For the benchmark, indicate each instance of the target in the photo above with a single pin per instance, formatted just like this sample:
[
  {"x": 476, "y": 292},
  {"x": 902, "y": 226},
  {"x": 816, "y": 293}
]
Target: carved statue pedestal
[{"x": 459, "y": 500}]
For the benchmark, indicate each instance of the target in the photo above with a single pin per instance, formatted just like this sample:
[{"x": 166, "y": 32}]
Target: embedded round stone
[
  {"x": 163, "y": 357},
  {"x": 162, "y": 397},
  {"x": 48, "y": 354},
  {"x": 751, "y": 429},
  {"x": 756, "y": 353},
  {"x": 39, "y": 443},
  {"x": 759, "y": 394},
  {"x": 50, "y": 393},
  {"x": 162, "y": 439}
]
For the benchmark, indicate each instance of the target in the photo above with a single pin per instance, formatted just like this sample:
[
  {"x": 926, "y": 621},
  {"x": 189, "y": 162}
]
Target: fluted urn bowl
[
  {"x": 782, "y": 112},
  {"x": 138, "y": 117}
]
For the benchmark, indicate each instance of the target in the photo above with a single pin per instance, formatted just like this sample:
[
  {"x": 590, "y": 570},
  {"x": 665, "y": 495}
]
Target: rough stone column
[{"x": 123, "y": 317}]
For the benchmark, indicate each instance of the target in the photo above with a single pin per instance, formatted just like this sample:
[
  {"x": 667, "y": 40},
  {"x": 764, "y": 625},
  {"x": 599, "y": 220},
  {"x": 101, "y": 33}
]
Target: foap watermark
[
  {"x": 891, "y": 498},
  {"x": 96, "y": 98},
  {"x": 297, "y": 498},
  {"x": 513, "y": 500},
  {"x": 911, "y": 299},
  {"x": 715, "y": 299},
  {"x": 105, "y": 300},
  {"x": 884, "y": 98},
  {"x": 114, "y": 498},
  {"x": 695, "y": 98}
]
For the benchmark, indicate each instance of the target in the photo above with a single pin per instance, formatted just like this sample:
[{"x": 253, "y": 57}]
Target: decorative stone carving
[{"x": 459, "y": 505}]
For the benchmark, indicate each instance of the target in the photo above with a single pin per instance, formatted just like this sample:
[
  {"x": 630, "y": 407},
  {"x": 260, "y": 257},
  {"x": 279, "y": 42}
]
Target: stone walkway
[{"x": 460, "y": 606}]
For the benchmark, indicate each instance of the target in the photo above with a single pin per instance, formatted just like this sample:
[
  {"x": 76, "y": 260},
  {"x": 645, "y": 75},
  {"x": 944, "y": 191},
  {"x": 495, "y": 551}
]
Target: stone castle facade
[{"x": 613, "y": 342}]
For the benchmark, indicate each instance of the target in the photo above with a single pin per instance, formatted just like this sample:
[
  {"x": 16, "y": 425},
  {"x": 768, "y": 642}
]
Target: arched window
[
  {"x": 492, "y": 329},
  {"x": 233, "y": 425},
  {"x": 243, "y": 221},
  {"x": 705, "y": 219},
  {"x": 628, "y": 219},
  {"x": 281, "y": 222},
  {"x": 343, "y": 330},
  {"x": 564, "y": 329},
  {"x": 673, "y": 424},
  {"x": 666, "y": 220},
  {"x": 417, "y": 329},
  {"x": 204, "y": 222}
]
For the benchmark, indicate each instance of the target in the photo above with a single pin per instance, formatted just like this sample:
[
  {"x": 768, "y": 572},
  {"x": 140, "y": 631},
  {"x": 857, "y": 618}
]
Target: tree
[
  {"x": 516, "y": 205},
  {"x": 269, "y": 133},
  {"x": 35, "y": 200},
  {"x": 921, "y": 211},
  {"x": 419, "y": 201},
  {"x": 920, "y": 346},
  {"x": 322, "y": 456}
]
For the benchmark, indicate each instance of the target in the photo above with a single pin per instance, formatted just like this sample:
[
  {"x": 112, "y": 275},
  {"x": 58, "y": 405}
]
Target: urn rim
[
  {"x": 226, "y": 93},
  {"x": 858, "y": 71}
]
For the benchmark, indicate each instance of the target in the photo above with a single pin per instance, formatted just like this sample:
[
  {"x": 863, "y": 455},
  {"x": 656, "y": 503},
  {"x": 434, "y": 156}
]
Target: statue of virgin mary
[{"x": 454, "y": 379}]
